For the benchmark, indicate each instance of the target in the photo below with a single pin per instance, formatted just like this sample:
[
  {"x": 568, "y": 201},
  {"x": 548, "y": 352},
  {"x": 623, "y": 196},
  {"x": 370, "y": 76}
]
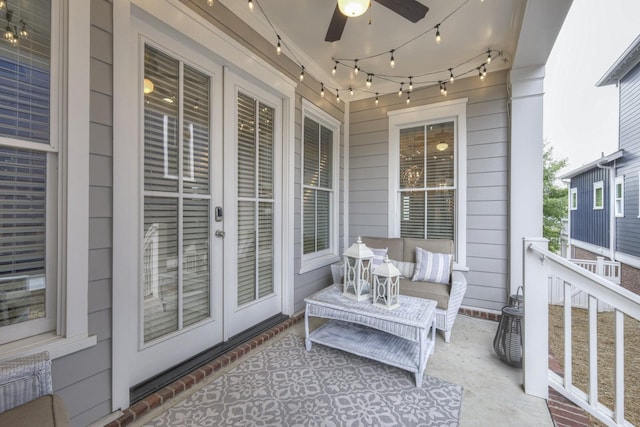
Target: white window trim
[
  {"x": 619, "y": 213},
  {"x": 322, "y": 258},
  {"x": 598, "y": 185},
  {"x": 572, "y": 192},
  {"x": 455, "y": 110},
  {"x": 638, "y": 194},
  {"x": 72, "y": 331}
]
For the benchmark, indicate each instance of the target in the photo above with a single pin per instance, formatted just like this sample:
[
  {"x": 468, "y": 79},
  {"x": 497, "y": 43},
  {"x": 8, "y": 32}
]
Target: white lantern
[
  {"x": 386, "y": 285},
  {"x": 357, "y": 271}
]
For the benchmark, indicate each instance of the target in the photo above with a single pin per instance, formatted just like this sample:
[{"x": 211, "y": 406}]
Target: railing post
[
  {"x": 600, "y": 266},
  {"x": 535, "y": 343}
]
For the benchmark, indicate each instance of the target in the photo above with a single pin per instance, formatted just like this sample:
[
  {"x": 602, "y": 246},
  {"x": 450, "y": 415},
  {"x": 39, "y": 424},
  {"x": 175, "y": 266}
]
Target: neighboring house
[
  {"x": 604, "y": 208},
  {"x": 172, "y": 183}
]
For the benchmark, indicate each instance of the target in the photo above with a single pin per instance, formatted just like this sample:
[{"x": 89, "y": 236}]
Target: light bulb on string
[
  {"x": 441, "y": 88},
  {"x": 351, "y": 91},
  {"x": 444, "y": 88},
  {"x": 451, "y": 79},
  {"x": 356, "y": 69},
  {"x": 335, "y": 68},
  {"x": 480, "y": 74},
  {"x": 438, "y": 38},
  {"x": 410, "y": 84},
  {"x": 392, "y": 63},
  {"x": 484, "y": 70},
  {"x": 210, "y": 2},
  {"x": 400, "y": 90},
  {"x": 337, "y": 96},
  {"x": 251, "y": 5},
  {"x": 489, "y": 56},
  {"x": 278, "y": 47},
  {"x": 301, "y": 72},
  {"x": 369, "y": 80},
  {"x": 377, "y": 98},
  {"x": 408, "y": 97},
  {"x": 322, "y": 90}
]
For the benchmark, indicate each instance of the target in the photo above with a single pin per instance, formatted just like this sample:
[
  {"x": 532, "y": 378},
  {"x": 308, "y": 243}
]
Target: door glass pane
[
  {"x": 160, "y": 266},
  {"x": 412, "y": 214},
  {"x": 440, "y": 214},
  {"x": 265, "y": 249},
  {"x": 195, "y": 261},
  {"x": 160, "y": 121},
  {"x": 412, "y": 157},
  {"x": 22, "y": 235},
  {"x": 265, "y": 153},
  {"x": 440, "y": 155},
  {"x": 246, "y": 146},
  {"x": 246, "y": 252},
  {"x": 196, "y": 132}
]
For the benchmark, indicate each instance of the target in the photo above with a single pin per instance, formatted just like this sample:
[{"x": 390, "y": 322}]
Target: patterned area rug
[{"x": 284, "y": 385}]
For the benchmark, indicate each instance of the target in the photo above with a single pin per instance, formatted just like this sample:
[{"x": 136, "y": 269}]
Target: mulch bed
[{"x": 606, "y": 356}]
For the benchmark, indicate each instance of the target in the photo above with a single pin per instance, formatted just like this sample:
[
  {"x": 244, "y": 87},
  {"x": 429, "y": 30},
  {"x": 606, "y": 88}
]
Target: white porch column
[{"x": 525, "y": 206}]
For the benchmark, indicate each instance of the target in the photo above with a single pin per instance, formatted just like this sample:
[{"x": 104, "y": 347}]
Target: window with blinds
[
  {"x": 176, "y": 268},
  {"x": 427, "y": 181},
  {"x": 255, "y": 199},
  {"x": 28, "y": 157},
  {"x": 317, "y": 187}
]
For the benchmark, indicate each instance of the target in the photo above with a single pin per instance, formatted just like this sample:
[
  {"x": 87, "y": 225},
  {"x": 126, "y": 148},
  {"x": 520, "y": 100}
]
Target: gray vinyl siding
[
  {"x": 628, "y": 228},
  {"x": 587, "y": 224},
  {"x": 83, "y": 379},
  {"x": 487, "y": 177}
]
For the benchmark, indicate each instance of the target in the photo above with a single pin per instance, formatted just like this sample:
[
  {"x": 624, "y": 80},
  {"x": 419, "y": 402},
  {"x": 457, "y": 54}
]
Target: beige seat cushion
[
  {"x": 427, "y": 290},
  {"x": 394, "y": 246},
  {"x": 45, "y": 411}
]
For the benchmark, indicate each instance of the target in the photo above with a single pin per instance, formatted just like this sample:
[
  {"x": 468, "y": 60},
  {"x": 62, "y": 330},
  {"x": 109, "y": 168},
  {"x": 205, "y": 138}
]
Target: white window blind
[
  {"x": 176, "y": 289},
  {"x": 427, "y": 181},
  {"x": 27, "y": 175},
  {"x": 317, "y": 186},
  {"x": 255, "y": 199}
]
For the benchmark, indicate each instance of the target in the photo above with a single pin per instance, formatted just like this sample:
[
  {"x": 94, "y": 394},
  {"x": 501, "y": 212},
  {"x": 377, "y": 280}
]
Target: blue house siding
[
  {"x": 587, "y": 224},
  {"x": 628, "y": 228}
]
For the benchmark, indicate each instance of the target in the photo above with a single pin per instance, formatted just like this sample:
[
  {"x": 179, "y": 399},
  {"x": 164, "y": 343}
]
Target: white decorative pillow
[
  {"x": 432, "y": 267},
  {"x": 378, "y": 257},
  {"x": 406, "y": 268}
]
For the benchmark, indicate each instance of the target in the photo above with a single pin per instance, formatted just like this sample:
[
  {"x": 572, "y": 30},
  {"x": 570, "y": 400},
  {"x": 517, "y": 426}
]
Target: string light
[
  {"x": 301, "y": 72},
  {"x": 322, "y": 90},
  {"x": 480, "y": 74},
  {"x": 441, "y": 87},
  {"x": 356, "y": 68},
  {"x": 408, "y": 97},
  {"x": 351, "y": 90},
  {"x": 251, "y": 5},
  {"x": 410, "y": 83},
  {"x": 400, "y": 90},
  {"x": 278, "y": 47},
  {"x": 438, "y": 38},
  {"x": 377, "y": 98},
  {"x": 451, "y": 79},
  {"x": 369, "y": 80},
  {"x": 338, "y": 96},
  {"x": 392, "y": 63},
  {"x": 489, "y": 56},
  {"x": 335, "y": 68},
  {"x": 210, "y": 2},
  {"x": 484, "y": 71}
]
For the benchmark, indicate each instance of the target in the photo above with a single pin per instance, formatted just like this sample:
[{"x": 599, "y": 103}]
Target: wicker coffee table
[{"x": 397, "y": 337}]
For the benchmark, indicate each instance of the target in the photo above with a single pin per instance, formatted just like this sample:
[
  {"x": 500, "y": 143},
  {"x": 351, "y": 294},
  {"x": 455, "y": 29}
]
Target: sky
[{"x": 580, "y": 119}]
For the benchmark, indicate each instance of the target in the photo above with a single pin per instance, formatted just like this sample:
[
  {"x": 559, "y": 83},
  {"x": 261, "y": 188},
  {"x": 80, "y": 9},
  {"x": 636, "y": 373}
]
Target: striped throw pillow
[
  {"x": 432, "y": 267},
  {"x": 406, "y": 268}
]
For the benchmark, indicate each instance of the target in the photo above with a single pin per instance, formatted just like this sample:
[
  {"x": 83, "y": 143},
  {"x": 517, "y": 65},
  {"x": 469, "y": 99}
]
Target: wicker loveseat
[{"x": 448, "y": 296}]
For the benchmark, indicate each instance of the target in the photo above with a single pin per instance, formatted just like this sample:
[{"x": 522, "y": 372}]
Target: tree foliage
[{"x": 554, "y": 199}]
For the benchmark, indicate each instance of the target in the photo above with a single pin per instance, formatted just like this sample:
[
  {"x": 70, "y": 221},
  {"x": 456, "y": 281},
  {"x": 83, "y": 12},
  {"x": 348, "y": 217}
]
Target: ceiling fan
[{"x": 412, "y": 10}]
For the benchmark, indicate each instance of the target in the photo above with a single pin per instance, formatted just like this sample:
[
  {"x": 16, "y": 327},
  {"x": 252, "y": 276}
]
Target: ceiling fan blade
[
  {"x": 336, "y": 26},
  {"x": 412, "y": 10}
]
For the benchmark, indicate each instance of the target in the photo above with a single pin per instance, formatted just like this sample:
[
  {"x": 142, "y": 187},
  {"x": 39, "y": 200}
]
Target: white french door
[
  {"x": 180, "y": 309},
  {"x": 253, "y": 204}
]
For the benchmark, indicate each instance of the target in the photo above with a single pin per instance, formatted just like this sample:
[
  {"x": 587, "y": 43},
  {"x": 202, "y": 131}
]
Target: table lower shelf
[{"x": 372, "y": 344}]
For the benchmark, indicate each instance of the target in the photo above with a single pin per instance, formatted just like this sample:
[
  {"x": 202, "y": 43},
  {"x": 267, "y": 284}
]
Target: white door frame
[{"x": 190, "y": 27}]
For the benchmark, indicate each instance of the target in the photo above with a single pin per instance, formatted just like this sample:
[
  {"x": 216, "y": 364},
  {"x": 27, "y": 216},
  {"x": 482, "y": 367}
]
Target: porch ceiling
[{"x": 476, "y": 26}]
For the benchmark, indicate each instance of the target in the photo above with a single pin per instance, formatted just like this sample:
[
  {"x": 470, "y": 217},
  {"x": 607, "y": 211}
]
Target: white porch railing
[
  {"x": 610, "y": 270},
  {"x": 539, "y": 264}
]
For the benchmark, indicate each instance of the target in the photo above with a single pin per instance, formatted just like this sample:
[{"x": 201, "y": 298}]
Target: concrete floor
[{"x": 493, "y": 394}]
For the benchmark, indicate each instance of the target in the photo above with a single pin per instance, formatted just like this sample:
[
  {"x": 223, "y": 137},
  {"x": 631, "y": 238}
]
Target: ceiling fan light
[
  {"x": 442, "y": 146},
  {"x": 353, "y": 8}
]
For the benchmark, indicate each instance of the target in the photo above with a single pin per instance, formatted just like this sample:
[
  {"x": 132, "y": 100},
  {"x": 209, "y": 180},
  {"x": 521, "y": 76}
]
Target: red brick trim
[{"x": 167, "y": 393}]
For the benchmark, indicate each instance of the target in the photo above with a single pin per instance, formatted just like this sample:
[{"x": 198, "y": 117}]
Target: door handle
[{"x": 220, "y": 233}]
